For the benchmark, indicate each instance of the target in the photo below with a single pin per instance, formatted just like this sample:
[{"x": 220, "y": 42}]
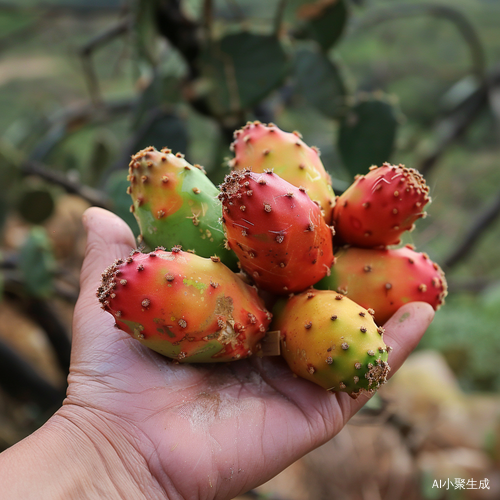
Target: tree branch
[
  {"x": 180, "y": 31},
  {"x": 482, "y": 223},
  {"x": 86, "y": 51},
  {"x": 46, "y": 317},
  {"x": 472, "y": 285},
  {"x": 20, "y": 381},
  {"x": 93, "y": 196},
  {"x": 278, "y": 18},
  {"x": 72, "y": 119},
  {"x": 59, "y": 9},
  {"x": 454, "y": 126},
  {"x": 463, "y": 25}
]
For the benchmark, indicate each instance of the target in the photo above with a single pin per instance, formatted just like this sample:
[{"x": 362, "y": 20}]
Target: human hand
[{"x": 169, "y": 430}]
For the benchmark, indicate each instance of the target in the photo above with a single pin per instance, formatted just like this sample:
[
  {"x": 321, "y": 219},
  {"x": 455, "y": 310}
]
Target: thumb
[
  {"x": 108, "y": 238},
  {"x": 405, "y": 329},
  {"x": 403, "y": 332}
]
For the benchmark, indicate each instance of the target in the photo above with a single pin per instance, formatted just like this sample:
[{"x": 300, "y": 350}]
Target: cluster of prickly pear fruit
[
  {"x": 370, "y": 216},
  {"x": 277, "y": 217}
]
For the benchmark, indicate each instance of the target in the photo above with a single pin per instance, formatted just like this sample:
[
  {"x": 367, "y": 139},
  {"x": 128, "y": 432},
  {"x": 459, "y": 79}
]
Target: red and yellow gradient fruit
[
  {"x": 380, "y": 206},
  {"x": 384, "y": 280},
  {"x": 261, "y": 147},
  {"x": 184, "y": 306},
  {"x": 332, "y": 341},
  {"x": 277, "y": 232}
]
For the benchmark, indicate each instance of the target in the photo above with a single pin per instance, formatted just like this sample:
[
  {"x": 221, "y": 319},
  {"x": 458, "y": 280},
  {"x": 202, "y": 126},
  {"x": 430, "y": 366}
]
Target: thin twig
[
  {"x": 180, "y": 31},
  {"x": 72, "y": 119},
  {"x": 72, "y": 116},
  {"x": 88, "y": 49},
  {"x": 92, "y": 81},
  {"x": 478, "y": 227},
  {"x": 93, "y": 196},
  {"x": 453, "y": 126},
  {"x": 463, "y": 25},
  {"x": 60, "y": 8},
  {"x": 278, "y": 18},
  {"x": 472, "y": 285},
  {"x": 120, "y": 28},
  {"x": 208, "y": 18}
]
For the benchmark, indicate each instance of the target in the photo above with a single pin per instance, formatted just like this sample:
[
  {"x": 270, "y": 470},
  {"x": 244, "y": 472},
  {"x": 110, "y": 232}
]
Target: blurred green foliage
[
  {"x": 466, "y": 332},
  {"x": 85, "y": 84},
  {"x": 37, "y": 264}
]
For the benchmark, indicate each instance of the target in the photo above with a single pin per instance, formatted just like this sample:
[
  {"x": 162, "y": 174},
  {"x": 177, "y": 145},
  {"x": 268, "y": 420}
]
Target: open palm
[{"x": 198, "y": 431}]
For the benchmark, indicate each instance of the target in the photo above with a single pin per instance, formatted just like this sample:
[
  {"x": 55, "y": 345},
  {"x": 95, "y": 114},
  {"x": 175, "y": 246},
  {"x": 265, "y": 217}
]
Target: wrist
[{"x": 76, "y": 455}]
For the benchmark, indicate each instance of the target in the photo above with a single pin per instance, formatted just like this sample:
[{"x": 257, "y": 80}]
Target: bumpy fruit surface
[
  {"x": 184, "y": 306},
  {"x": 262, "y": 147},
  {"x": 276, "y": 231},
  {"x": 175, "y": 203},
  {"x": 379, "y": 206},
  {"x": 384, "y": 280},
  {"x": 332, "y": 341}
]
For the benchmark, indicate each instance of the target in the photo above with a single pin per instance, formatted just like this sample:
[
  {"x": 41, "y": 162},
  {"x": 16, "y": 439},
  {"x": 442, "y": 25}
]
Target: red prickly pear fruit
[
  {"x": 332, "y": 341},
  {"x": 261, "y": 147},
  {"x": 184, "y": 306},
  {"x": 175, "y": 203},
  {"x": 384, "y": 280},
  {"x": 379, "y": 206},
  {"x": 276, "y": 231}
]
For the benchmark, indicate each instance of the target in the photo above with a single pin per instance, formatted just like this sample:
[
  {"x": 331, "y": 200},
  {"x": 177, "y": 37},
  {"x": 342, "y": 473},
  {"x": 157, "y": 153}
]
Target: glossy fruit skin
[
  {"x": 175, "y": 203},
  {"x": 184, "y": 306},
  {"x": 277, "y": 232},
  {"x": 380, "y": 206},
  {"x": 386, "y": 279},
  {"x": 262, "y": 147},
  {"x": 332, "y": 341}
]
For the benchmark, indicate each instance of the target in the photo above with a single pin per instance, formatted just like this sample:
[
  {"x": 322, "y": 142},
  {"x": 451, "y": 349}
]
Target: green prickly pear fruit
[
  {"x": 332, "y": 341},
  {"x": 386, "y": 279},
  {"x": 175, "y": 203},
  {"x": 184, "y": 306},
  {"x": 262, "y": 147}
]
